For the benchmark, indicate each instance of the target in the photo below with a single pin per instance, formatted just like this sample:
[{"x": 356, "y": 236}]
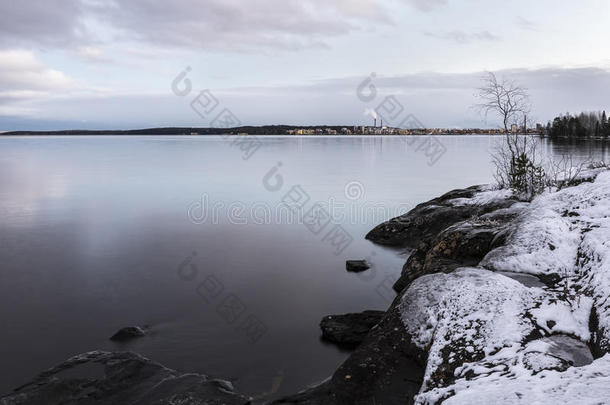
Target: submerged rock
[
  {"x": 106, "y": 378},
  {"x": 349, "y": 329},
  {"x": 356, "y": 266},
  {"x": 128, "y": 333}
]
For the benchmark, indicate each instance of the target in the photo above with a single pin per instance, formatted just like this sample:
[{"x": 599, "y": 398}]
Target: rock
[
  {"x": 128, "y": 333},
  {"x": 463, "y": 244},
  {"x": 356, "y": 266},
  {"x": 387, "y": 368},
  {"x": 106, "y": 378},
  {"x": 426, "y": 220},
  {"x": 349, "y": 329}
]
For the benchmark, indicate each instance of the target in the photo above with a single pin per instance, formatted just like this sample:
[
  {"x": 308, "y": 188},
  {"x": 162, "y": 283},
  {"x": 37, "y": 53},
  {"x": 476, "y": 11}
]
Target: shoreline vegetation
[{"x": 500, "y": 295}]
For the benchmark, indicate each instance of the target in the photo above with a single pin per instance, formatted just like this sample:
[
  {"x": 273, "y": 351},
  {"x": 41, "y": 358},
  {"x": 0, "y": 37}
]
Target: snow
[
  {"x": 568, "y": 318},
  {"x": 549, "y": 231},
  {"x": 544, "y": 243},
  {"x": 566, "y": 233},
  {"x": 482, "y": 197},
  {"x": 470, "y": 312},
  {"x": 492, "y": 339},
  {"x": 583, "y": 385}
]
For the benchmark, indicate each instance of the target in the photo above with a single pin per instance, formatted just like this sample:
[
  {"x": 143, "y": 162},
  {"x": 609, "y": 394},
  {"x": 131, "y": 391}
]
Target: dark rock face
[
  {"x": 426, "y": 220},
  {"x": 104, "y": 378},
  {"x": 349, "y": 329},
  {"x": 356, "y": 266},
  {"x": 128, "y": 333},
  {"x": 461, "y": 244},
  {"x": 387, "y": 368}
]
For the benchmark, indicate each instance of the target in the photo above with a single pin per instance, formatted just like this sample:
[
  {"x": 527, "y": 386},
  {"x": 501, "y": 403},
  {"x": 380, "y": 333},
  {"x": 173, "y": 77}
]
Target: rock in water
[
  {"x": 128, "y": 333},
  {"x": 356, "y": 266},
  {"x": 349, "y": 329},
  {"x": 105, "y": 378}
]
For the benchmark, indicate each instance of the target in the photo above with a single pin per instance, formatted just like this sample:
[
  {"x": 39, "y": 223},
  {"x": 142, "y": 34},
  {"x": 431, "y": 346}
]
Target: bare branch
[{"x": 505, "y": 98}]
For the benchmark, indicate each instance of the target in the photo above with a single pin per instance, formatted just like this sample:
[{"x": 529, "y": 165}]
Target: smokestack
[
  {"x": 381, "y": 123},
  {"x": 375, "y": 122}
]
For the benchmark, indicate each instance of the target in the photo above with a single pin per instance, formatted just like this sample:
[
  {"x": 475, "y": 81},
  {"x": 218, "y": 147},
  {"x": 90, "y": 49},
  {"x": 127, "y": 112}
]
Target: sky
[{"x": 103, "y": 64}]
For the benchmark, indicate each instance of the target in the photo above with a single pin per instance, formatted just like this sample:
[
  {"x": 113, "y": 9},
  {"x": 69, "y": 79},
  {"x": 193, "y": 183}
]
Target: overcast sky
[{"x": 111, "y": 63}]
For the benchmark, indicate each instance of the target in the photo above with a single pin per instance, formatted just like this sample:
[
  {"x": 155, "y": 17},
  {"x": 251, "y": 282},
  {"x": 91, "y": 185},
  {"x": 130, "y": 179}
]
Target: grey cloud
[
  {"x": 233, "y": 25},
  {"x": 41, "y": 22},
  {"x": 462, "y": 37}
]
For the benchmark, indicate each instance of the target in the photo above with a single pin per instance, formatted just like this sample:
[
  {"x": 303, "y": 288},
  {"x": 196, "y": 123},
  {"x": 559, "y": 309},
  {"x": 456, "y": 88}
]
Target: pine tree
[{"x": 597, "y": 132}]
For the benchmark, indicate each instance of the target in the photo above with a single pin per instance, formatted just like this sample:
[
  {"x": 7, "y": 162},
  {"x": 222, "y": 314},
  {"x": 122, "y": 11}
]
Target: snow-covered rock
[
  {"x": 565, "y": 236},
  {"x": 465, "y": 316},
  {"x": 492, "y": 339},
  {"x": 589, "y": 384}
]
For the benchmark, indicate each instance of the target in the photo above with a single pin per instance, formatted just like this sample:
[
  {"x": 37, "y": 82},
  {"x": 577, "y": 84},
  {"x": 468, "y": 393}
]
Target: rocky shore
[{"x": 501, "y": 301}]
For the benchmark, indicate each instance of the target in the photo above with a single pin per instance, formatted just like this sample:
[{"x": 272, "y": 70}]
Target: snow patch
[{"x": 482, "y": 198}]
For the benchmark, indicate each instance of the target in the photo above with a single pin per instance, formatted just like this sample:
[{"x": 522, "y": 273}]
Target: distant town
[{"x": 385, "y": 130}]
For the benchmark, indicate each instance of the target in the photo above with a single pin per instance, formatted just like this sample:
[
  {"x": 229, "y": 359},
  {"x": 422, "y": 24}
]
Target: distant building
[{"x": 514, "y": 128}]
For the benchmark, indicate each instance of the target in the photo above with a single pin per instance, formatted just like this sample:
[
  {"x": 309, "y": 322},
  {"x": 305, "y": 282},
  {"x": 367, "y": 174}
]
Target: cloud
[
  {"x": 23, "y": 78},
  {"x": 437, "y": 99},
  {"x": 93, "y": 55},
  {"x": 426, "y": 5},
  {"x": 462, "y": 37},
  {"x": 222, "y": 25},
  {"x": 235, "y": 25},
  {"x": 526, "y": 24},
  {"x": 45, "y": 23},
  {"x": 20, "y": 70}
]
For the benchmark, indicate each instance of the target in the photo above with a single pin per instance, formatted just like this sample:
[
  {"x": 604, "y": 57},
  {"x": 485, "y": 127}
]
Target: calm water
[{"x": 183, "y": 235}]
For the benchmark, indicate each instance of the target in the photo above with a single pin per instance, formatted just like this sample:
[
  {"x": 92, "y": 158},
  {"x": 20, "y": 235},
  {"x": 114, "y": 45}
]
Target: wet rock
[
  {"x": 128, "y": 333},
  {"x": 387, "y": 368},
  {"x": 428, "y": 219},
  {"x": 106, "y": 378},
  {"x": 349, "y": 329},
  {"x": 356, "y": 266}
]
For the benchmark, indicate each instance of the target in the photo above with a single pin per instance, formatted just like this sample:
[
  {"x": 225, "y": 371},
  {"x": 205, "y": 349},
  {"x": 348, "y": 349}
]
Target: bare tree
[{"x": 505, "y": 98}]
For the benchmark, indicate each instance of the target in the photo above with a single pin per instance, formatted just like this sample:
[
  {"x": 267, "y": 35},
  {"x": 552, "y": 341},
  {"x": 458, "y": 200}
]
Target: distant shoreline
[{"x": 272, "y": 130}]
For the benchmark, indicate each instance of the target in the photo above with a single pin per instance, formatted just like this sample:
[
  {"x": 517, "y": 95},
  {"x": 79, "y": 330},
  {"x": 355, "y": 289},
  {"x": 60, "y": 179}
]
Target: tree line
[{"x": 584, "y": 125}]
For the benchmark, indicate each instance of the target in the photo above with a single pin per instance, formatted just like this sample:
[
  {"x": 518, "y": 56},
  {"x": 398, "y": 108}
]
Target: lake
[{"x": 230, "y": 256}]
